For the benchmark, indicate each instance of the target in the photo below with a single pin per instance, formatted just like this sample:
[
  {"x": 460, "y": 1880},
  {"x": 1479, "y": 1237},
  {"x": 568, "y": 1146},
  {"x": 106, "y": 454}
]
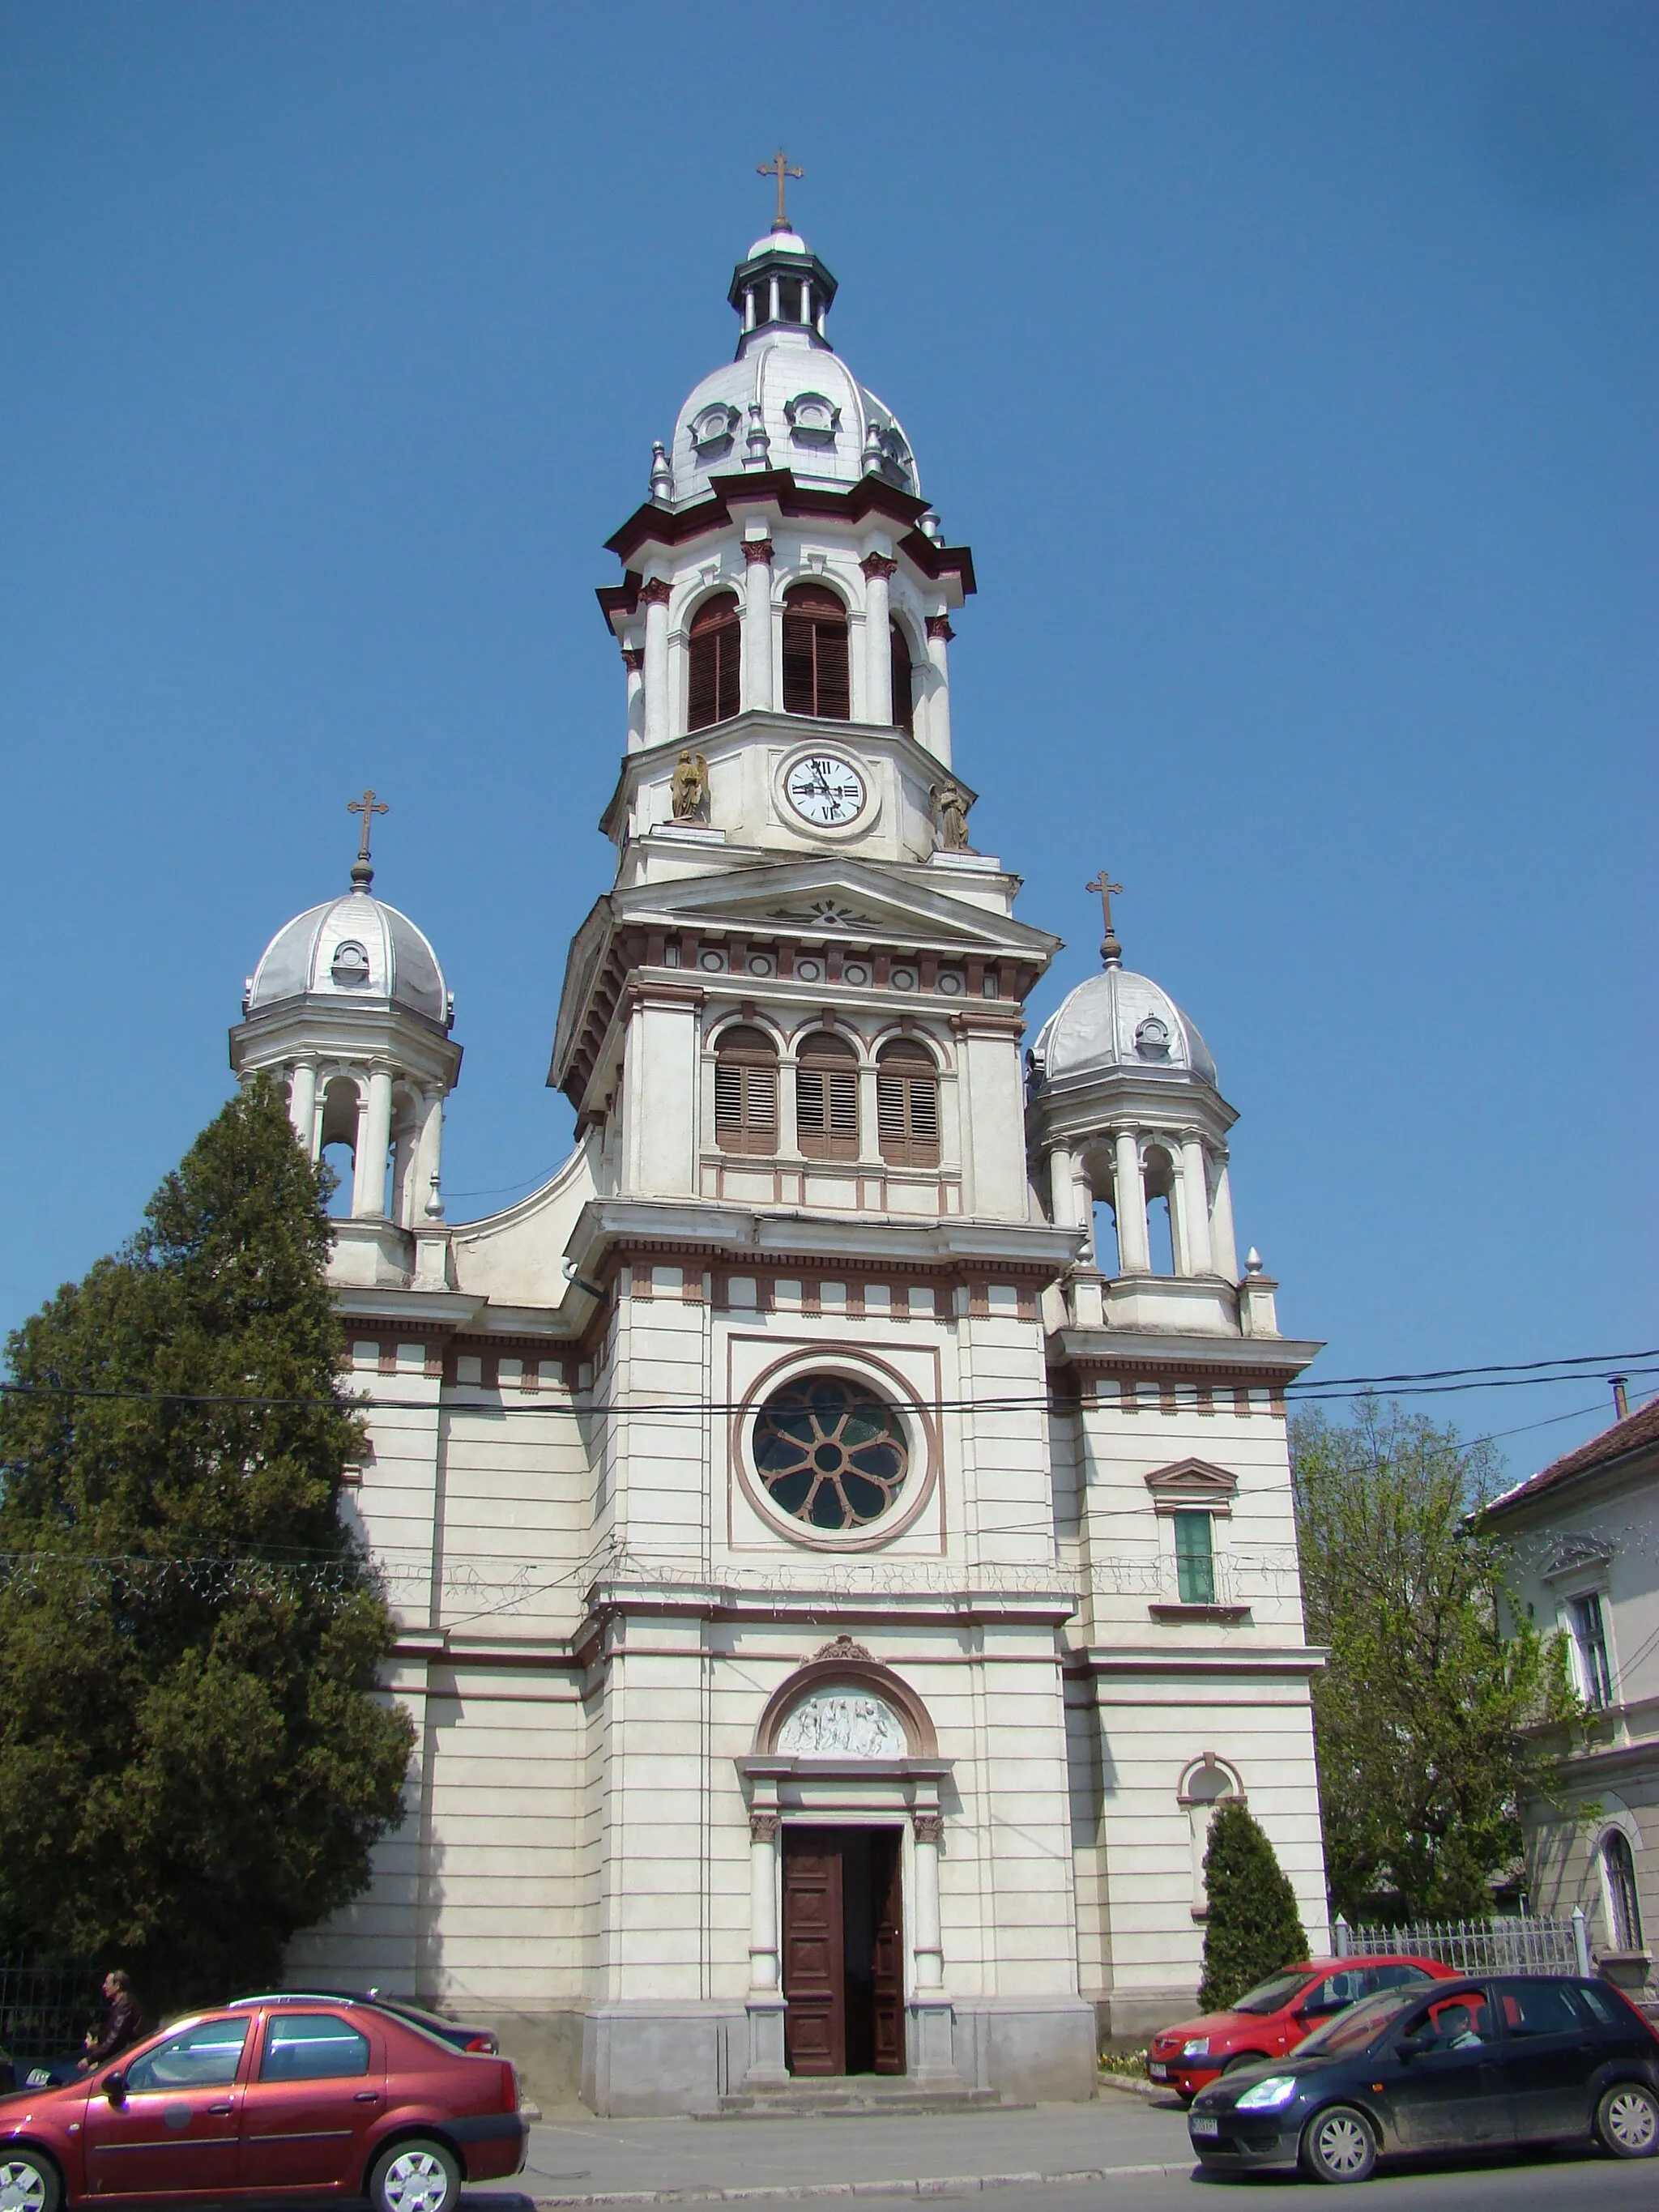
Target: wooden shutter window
[
  {"x": 907, "y": 1106},
  {"x": 714, "y": 651},
  {"x": 904, "y": 699},
  {"x": 816, "y": 670},
  {"x": 826, "y": 1099},
  {"x": 745, "y": 1092}
]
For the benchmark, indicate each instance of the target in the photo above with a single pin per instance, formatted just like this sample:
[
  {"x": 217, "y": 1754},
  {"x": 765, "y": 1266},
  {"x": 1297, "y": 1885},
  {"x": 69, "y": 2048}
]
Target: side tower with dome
[{"x": 835, "y": 1584}]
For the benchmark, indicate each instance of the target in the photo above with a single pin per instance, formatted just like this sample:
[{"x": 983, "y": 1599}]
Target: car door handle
[
  {"x": 220, "y": 2109},
  {"x": 366, "y": 2097}
]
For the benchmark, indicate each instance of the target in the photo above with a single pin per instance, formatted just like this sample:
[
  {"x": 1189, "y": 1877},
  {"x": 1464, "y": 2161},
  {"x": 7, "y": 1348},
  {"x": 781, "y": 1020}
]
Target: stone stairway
[{"x": 855, "y": 2096}]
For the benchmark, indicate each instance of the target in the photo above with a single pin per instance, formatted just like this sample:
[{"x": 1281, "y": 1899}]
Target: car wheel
[
  {"x": 1242, "y": 2058},
  {"x": 1339, "y": 2145},
  {"x": 28, "y": 2183},
  {"x": 1626, "y": 2120},
  {"x": 417, "y": 2176}
]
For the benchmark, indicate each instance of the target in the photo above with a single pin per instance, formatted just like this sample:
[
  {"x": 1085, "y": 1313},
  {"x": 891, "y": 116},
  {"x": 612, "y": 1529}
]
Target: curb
[{"x": 951, "y": 2184}]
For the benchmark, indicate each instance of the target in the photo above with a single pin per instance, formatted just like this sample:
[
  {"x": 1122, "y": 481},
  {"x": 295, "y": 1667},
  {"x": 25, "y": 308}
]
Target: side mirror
[{"x": 115, "y": 2087}]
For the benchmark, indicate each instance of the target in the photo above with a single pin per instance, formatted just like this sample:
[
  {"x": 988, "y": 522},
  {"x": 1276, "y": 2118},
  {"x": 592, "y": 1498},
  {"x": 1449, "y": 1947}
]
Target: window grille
[
  {"x": 816, "y": 671},
  {"x": 906, "y": 1105},
  {"x": 713, "y": 652},
  {"x": 1195, "y": 1557},
  {"x": 826, "y": 1099},
  {"x": 745, "y": 1092},
  {"x": 1590, "y": 1635},
  {"x": 1619, "y": 1864},
  {"x": 904, "y": 706}
]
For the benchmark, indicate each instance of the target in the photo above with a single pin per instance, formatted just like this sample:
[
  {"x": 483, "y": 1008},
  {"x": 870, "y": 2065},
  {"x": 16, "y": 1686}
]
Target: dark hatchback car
[{"x": 1500, "y": 2063}]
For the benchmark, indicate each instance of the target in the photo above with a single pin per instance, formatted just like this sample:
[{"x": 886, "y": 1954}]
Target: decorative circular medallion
[
  {"x": 825, "y": 790},
  {"x": 830, "y": 1452}
]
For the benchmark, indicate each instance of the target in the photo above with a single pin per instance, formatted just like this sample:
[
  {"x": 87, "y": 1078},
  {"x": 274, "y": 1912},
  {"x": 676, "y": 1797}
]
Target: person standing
[{"x": 123, "y": 2022}]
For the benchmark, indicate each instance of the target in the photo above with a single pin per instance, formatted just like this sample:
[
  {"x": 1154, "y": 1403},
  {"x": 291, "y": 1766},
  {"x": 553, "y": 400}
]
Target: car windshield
[
  {"x": 1360, "y": 2024},
  {"x": 1270, "y": 1996}
]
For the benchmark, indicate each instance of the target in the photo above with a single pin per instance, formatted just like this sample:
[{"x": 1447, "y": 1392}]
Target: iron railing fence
[
  {"x": 1517, "y": 1945},
  {"x": 46, "y": 2005}
]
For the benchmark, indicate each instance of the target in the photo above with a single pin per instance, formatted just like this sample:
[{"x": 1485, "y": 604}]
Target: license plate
[
  {"x": 1200, "y": 2125},
  {"x": 1160, "y": 2073}
]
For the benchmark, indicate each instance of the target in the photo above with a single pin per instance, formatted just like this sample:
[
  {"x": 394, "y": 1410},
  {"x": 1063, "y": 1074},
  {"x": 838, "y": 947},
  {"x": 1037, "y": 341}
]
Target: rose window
[{"x": 830, "y": 1452}]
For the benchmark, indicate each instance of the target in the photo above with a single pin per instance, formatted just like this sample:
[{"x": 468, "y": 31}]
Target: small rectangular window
[
  {"x": 1591, "y": 1636},
  {"x": 1195, "y": 1559}
]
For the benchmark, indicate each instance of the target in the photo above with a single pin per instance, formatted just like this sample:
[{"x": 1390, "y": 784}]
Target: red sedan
[
  {"x": 267, "y": 2097},
  {"x": 1273, "y": 2018}
]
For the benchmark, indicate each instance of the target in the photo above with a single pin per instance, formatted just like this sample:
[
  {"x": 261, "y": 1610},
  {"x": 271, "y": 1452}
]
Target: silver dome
[
  {"x": 351, "y": 947},
  {"x": 1120, "y": 1020}
]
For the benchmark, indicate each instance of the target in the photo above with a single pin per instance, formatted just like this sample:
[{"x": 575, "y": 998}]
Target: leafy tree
[
  {"x": 1425, "y": 1717},
  {"x": 1254, "y": 1928},
  {"x": 194, "y": 1761}
]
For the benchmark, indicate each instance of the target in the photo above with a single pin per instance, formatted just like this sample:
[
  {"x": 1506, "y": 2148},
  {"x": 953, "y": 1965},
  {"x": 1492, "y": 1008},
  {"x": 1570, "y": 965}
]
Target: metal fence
[
  {"x": 1514, "y": 1945},
  {"x": 46, "y": 2006}
]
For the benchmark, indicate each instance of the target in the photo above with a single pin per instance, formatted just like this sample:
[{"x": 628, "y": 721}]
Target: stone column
[
  {"x": 429, "y": 1161},
  {"x": 374, "y": 1135},
  {"x": 765, "y": 2001},
  {"x": 869, "y": 1115},
  {"x": 633, "y": 662},
  {"x": 1195, "y": 1203},
  {"x": 879, "y": 569},
  {"x": 1223, "y": 1248},
  {"x": 302, "y": 1104},
  {"x": 939, "y": 633},
  {"x": 1062, "y": 1189},
  {"x": 654, "y": 598},
  {"x": 1134, "y": 1249},
  {"x": 756, "y": 689},
  {"x": 932, "y": 2059}
]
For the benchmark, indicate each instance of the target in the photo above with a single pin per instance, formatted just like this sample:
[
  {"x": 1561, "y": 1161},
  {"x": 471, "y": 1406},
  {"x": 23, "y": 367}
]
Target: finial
[
  {"x": 874, "y": 456},
  {"x": 434, "y": 1203},
  {"x": 778, "y": 167},
  {"x": 662, "y": 476},
  {"x": 758, "y": 445},
  {"x": 362, "y": 871},
  {"x": 932, "y": 527},
  {"x": 1111, "y": 952},
  {"x": 1253, "y": 1262}
]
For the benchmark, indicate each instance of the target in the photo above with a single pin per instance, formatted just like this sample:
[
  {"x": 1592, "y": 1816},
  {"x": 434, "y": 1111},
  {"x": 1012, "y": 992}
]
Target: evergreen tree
[
  {"x": 1426, "y": 1718},
  {"x": 1254, "y": 1928},
  {"x": 194, "y": 1761}
]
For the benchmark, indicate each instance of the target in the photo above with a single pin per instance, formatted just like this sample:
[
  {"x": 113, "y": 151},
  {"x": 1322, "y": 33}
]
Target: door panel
[
  {"x": 1550, "y": 2053},
  {"x": 175, "y": 2132},
  {"x": 1455, "y": 2096},
  {"x": 815, "y": 2022},
  {"x": 887, "y": 1862},
  {"x": 319, "y": 2086}
]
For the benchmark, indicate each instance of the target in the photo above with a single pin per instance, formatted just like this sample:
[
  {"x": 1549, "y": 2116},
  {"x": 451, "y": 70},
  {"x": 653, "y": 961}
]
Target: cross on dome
[
  {"x": 1111, "y": 952},
  {"x": 778, "y": 167},
  {"x": 362, "y": 872}
]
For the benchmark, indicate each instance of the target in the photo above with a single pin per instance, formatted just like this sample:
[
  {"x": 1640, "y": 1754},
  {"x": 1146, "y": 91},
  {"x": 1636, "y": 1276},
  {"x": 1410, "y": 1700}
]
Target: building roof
[
  {"x": 351, "y": 947},
  {"x": 1636, "y": 1432},
  {"x": 1118, "y": 1020}
]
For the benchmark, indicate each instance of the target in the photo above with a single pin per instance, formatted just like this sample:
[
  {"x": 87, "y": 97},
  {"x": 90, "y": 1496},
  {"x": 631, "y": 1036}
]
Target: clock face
[{"x": 825, "y": 790}]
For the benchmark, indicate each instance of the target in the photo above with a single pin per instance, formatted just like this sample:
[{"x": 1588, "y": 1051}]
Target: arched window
[
  {"x": 1618, "y": 1872},
  {"x": 906, "y": 1104},
  {"x": 904, "y": 689},
  {"x": 715, "y": 651},
  {"x": 745, "y": 1092},
  {"x": 817, "y": 678},
  {"x": 827, "y": 1098}
]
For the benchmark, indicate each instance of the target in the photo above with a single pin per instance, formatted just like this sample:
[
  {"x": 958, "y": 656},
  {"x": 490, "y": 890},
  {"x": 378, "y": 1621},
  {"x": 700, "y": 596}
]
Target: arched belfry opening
[
  {"x": 713, "y": 662},
  {"x": 817, "y": 663}
]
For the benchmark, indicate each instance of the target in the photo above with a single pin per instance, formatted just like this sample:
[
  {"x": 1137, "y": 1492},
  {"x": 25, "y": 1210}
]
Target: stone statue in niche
[
  {"x": 842, "y": 1724},
  {"x": 689, "y": 788},
  {"x": 951, "y": 815}
]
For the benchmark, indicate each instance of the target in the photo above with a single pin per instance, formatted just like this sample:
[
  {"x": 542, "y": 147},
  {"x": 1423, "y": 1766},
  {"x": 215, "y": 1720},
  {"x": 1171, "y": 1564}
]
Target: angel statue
[
  {"x": 690, "y": 786},
  {"x": 950, "y": 804}
]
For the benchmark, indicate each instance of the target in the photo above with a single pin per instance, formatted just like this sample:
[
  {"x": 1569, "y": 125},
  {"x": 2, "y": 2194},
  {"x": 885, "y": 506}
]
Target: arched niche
[{"x": 833, "y": 1685}]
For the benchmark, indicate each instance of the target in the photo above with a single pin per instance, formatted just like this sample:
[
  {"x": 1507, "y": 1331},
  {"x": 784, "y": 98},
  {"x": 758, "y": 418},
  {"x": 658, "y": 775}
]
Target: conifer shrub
[{"x": 1254, "y": 1928}]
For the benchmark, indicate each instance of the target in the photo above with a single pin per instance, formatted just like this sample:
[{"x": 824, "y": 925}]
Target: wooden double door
[{"x": 843, "y": 1950}]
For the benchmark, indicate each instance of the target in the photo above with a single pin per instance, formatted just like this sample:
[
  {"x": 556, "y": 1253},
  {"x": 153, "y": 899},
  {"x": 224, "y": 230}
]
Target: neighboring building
[
  {"x": 1585, "y": 1534},
  {"x": 834, "y": 1594}
]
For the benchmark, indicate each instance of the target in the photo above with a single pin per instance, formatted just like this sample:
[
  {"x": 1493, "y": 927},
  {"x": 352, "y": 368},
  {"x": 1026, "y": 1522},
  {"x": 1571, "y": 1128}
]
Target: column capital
[
  {"x": 938, "y": 626},
  {"x": 762, "y": 1827},
  {"x": 929, "y": 1827},
  {"x": 878, "y": 564},
  {"x": 656, "y": 591},
  {"x": 633, "y": 658},
  {"x": 757, "y": 552}
]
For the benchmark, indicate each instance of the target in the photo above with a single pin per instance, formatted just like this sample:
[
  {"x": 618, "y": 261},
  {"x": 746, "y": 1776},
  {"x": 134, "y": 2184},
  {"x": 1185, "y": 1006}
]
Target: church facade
[{"x": 841, "y": 1559}]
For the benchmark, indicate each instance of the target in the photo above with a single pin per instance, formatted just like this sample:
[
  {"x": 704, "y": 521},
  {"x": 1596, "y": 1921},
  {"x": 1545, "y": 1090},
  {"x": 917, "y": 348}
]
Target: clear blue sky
[{"x": 1290, "y": 368}]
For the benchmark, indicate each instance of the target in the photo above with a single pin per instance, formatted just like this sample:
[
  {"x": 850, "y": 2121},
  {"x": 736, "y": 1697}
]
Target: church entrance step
[{"x": 854, "y": 2097}]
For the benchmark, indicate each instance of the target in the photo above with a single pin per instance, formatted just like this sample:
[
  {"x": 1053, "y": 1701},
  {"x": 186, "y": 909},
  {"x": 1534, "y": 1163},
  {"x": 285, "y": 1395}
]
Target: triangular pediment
[
  {"x": 1193, "y": 1482},
  {"x": 829, "y": 898}
]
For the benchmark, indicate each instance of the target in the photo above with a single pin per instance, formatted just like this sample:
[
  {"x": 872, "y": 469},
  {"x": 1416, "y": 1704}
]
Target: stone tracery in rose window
[{"x": 830, "y": 1452}]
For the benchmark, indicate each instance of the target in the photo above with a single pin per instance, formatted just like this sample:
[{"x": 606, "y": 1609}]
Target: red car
[
  {"x": 264, "y": 2099},
  {"x": 1270, "y": 2020}
]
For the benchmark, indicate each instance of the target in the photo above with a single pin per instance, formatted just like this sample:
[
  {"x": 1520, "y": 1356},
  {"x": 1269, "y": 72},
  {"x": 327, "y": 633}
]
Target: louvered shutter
[
  {"x": 745, "y": 1092},
  {"x": 907, "y": 1107},
  {"x": 817, "y": 672},
  {"x": 827, "y": 1100},
  {"x": 712, "y": 656}
]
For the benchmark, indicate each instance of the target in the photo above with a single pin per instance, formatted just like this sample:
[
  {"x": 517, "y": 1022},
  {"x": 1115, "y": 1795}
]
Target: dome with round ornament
[
  {"x": 1118, "y": 1022},
  {"x": 352, "y": 948},
  {"x": 787, "y": 401}
]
